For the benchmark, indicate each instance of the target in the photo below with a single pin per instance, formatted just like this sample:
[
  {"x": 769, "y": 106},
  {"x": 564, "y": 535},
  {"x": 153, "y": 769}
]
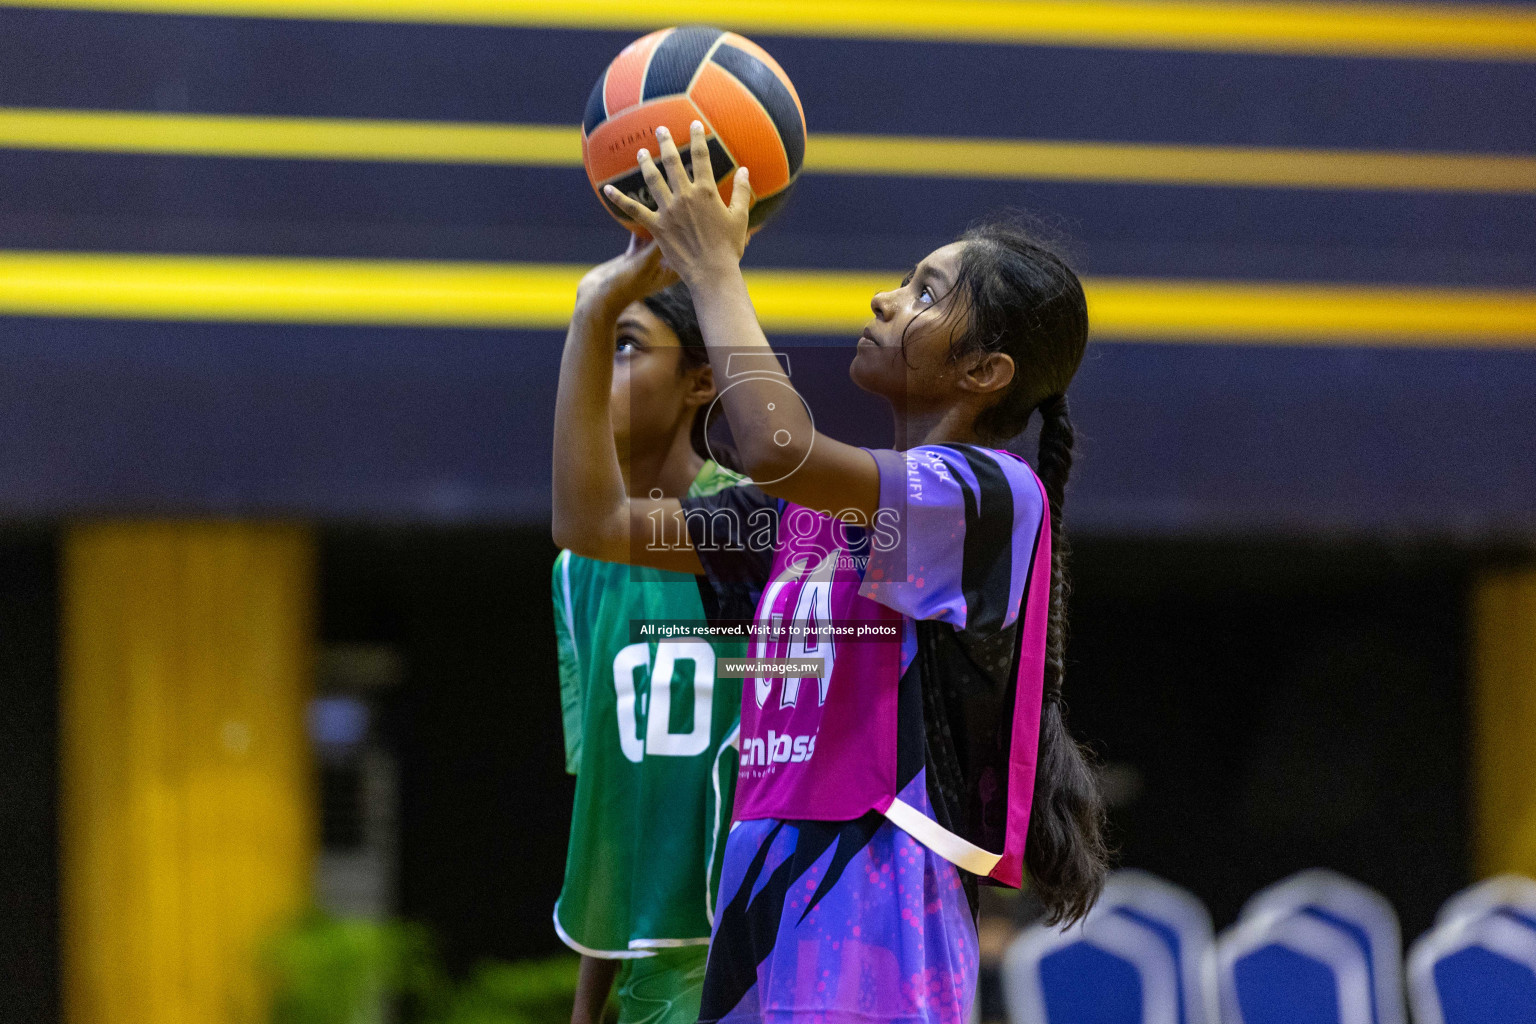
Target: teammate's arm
[
  {"x": 704, "y": 239},
  {"x": 594, "y": 980},
  {"x": 592, "y": 514}
]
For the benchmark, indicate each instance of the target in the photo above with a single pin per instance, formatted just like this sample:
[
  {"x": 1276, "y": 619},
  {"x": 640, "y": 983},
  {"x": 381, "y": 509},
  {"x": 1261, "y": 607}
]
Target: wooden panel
[
  {"x": 188, "y": 817},
  {"x": 1504, "y": 681}
]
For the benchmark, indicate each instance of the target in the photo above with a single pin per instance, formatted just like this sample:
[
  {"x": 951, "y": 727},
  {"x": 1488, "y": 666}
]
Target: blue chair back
[
  {"x": 1181, "y": 921},
  {"x": 1136, "y": 959},
  {"x": 1478, "y": 964},
  {"x": 1316, "y": 948},
  {"x": 1511, "y": 895}
]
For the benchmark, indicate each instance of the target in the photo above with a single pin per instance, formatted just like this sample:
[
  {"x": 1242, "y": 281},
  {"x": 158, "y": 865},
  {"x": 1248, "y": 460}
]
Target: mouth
[{"x": 868, "y": 338}]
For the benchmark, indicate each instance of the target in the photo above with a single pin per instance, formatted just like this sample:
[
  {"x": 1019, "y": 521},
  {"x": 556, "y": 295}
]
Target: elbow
[
  {"x": 576, "y": 541},
  {"x": 560, "y": 521},
  {"x": 769, "y": 461},
  {"x": 774, "y": 446},
  {"x": 568, "y": 533}
]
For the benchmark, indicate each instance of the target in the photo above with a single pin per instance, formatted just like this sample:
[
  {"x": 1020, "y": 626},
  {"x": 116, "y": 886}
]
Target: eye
[
  {"x": 626, "y": 342},
  {"x": 926, "y": 295}
]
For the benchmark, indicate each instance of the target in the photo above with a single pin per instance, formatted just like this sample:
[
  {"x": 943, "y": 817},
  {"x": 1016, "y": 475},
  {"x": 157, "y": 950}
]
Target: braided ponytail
[
  {"x": 1025, "y": 301},
  {"x": 1065, "y": 852}
]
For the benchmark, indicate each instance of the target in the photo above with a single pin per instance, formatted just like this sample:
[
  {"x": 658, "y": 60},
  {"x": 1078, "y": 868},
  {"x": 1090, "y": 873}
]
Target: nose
[{"x": 881, "y": 305}]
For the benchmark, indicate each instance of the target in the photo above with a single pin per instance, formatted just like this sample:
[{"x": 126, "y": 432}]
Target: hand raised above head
[
  {"x": 629, "y": 277},
  {"x": 696, "y": 230}
]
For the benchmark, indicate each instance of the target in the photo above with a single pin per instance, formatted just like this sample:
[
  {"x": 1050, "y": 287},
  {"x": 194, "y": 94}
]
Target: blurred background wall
[{"x": 281, "y": 293}]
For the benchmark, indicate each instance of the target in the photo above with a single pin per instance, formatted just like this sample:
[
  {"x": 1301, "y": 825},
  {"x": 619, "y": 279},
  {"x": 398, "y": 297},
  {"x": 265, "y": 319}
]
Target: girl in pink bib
[{"x": 902, "y": 733}]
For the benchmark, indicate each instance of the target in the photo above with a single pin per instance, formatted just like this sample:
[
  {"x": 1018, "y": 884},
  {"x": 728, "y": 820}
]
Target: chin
[{"x": 871, "y": 374}]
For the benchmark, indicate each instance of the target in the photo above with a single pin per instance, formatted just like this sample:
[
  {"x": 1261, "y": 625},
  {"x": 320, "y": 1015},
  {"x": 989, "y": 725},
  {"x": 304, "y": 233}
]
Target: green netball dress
[{"x": 650, "y": 734}]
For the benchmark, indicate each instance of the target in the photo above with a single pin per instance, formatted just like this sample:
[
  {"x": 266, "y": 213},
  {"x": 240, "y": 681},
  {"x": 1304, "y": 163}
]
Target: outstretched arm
[
  {"x": 592, "y": 514},
  {"x": 703, "y": 239}
]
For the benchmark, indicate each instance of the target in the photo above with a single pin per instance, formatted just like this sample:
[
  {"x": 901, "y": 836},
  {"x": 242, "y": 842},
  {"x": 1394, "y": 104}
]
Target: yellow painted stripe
[
  {"x": 923, "y": 156},
  {"x": 1217, "y": 311},
  {"x": 285, "y": 290},
  {"x": 1142, "y": 163},
  {"x": 530, "y": 296},
  {"x": 1480, "y": 32},
  {"x": 312, "y": 138}
]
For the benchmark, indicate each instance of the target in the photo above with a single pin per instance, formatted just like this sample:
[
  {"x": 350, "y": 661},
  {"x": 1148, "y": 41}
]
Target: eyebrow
[
  {"x": 633, "y": 323},
  {"x": 935, "y": 275}
]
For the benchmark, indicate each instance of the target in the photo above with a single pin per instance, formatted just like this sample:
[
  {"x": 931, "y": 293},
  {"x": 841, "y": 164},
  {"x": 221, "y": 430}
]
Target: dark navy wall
[
  {"x": 101, "y": 417},
  {"x": 454, "y": 426},
  {"x": 136, "y": 203},
  {"x": 468, "y": 73}
]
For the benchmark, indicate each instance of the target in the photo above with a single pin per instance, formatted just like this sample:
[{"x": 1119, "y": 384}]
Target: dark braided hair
[
  {"x": 673, "y": 306},
  {"x": 1025, "y": 301}
]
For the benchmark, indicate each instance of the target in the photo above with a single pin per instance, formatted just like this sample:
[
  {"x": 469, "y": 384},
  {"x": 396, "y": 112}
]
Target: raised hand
[
  {"x": 697, "y": 231},
  {"x": 632, "y": 275}
]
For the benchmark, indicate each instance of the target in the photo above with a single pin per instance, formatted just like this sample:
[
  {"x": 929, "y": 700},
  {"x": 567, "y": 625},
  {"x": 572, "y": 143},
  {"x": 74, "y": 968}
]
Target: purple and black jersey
[
  {"x": 838, "y": 922},
  {"x": 864, "y": 791},
  {"x": 936, "y": 730}
]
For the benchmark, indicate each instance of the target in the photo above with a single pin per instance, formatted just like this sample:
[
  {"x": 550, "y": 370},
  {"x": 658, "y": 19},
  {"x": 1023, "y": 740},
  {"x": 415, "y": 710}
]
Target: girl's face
[
  {"x": 924, "y": 309},
  {"x": 650, "y": 399}
]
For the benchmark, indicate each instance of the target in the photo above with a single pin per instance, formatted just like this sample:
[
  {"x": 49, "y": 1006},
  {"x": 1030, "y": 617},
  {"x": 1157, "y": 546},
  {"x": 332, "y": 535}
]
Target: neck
[
  {"x": 669, "y": 468},
  {"x": 952, "y": 425}
]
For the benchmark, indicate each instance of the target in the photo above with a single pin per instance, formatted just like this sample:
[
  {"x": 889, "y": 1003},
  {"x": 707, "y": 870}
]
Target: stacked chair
[
  {"x": 1316, "y": 948},
  {"x": 1138, "y": 958},
  {"x": 1477, "y": 965}
]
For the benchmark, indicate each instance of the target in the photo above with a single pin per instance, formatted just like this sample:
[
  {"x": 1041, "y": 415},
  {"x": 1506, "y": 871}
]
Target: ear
[
  {"x": 989, "y": 374},
  {"x": 701, "y": 390}
]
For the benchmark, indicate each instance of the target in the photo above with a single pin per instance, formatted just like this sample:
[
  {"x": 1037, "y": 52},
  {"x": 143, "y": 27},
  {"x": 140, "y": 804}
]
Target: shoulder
[
  {"x": 957, "y": 529},
  {"x": 974, "y": 460},
  {"x": 714, "y": 478},
  {"x": 983, "y": 479}
]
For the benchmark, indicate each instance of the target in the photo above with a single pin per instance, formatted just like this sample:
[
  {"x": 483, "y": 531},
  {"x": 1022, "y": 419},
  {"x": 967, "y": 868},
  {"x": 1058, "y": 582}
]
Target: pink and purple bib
[{"x": 930, "y": 627}]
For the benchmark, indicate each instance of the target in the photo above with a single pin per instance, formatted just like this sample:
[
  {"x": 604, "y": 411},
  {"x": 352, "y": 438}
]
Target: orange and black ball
[{"x": 751, "y": 114}]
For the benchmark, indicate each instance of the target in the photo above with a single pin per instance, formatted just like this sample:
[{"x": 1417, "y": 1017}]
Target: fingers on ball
[
  {"x": 672, "y": 161},
  {"x": 701, "y": 159},
  {"x": 626, "y": 203},
  {"x": 652, "y": 175}
]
